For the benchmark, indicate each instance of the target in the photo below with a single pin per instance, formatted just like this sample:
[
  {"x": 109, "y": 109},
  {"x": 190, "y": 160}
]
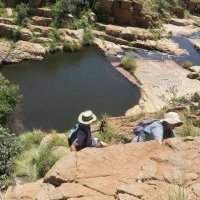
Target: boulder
[
  {"x": 14, "y": 32},
  {"x": 7, "y": 20},
  {"x": 195, "y": 69},
  {"x": 131, "y": 171},
  {"x": 44, "y": 12},
  {"x": 196, "y": 97},
  {"x": 128, "y": 33},
  {"x": 25, "y": 34},
  {"x": 193, "y": 75},
  {"x": 41, "y": 21},
  {"x": 181, "y": 22},
  {"x": 42, "y": 30},
  {"x": 23, "y": 50},
  {"x": 163, "y": 45}
]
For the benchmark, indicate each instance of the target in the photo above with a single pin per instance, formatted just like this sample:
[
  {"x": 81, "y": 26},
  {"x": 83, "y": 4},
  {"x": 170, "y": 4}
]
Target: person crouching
[
  {"x": 157, "y": 129},
  {"x": 80, "y": 136}
]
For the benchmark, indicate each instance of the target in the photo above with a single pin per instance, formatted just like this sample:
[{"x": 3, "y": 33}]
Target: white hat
[
  {"x": 172, "y": 118},
  {"x": 87, "y": 117}
]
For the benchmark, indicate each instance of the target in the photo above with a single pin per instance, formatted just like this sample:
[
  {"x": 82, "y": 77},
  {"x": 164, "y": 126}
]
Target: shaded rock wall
[{"x": 129, "y": 12}]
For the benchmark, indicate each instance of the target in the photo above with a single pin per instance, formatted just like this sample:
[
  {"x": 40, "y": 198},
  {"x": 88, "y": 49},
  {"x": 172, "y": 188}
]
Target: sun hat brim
[
  {"x": 177, "y": 122},
  {"x": 93, "y": 119}
]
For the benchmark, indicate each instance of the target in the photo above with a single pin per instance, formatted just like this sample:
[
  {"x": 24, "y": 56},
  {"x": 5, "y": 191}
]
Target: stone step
[
  {"x": 44, "y": 12},
  {"x": 6, "y": 20},
  {"x": 41, "y": 21}
]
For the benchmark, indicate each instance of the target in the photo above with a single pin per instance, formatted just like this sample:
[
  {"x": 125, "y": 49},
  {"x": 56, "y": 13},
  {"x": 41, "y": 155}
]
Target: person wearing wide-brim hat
[
  {"x": 81, "y": 136},
  {"x": 157, "y": 129}
]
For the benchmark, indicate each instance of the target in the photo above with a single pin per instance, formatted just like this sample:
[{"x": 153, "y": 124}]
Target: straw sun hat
[
  {"x": 87, "y": 117},
  {"x": 172, "y": 118}
]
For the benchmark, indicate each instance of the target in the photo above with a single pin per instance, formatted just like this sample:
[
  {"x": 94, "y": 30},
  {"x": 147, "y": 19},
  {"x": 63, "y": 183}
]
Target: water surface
[{"x": 58, "y": 88}]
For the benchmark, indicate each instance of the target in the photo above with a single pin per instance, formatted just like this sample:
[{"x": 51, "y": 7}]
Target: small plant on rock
[
  {"x": 128, "y": 62},
  {"x": 88, "y": 37},
  {"x": 71, "y": 46}
]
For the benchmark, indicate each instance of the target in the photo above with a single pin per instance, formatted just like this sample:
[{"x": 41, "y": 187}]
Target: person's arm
[
  {"x": 157, "y": 133},
  {"x": 73, "y": 148},
  {"x": 78, "y": 142}
]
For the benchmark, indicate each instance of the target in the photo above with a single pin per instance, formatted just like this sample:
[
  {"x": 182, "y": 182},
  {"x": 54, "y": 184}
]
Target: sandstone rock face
[
  {"x": 122, "y": 172},
  {"x": 12, "y": 31},
  {"x": 20, "y": 51},
  {"x": 128, "y": 33},
  {"x": 41, "y": 21},
  {"x": 125, "y": 12},
  {"x": 7, "y": 20},
  {"x": 44, "y": 12}
]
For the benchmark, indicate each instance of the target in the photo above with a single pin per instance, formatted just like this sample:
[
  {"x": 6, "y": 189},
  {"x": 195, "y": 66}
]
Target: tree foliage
[
  {"x": 63, "y": 8},
  {"x": 9, "y": 97},
  {"x": 9, "y": 149}
]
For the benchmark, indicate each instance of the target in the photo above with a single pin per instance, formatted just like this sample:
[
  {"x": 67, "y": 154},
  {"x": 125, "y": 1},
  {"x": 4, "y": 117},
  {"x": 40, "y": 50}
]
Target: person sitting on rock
[
  {"x": 80, "y": 136},
  {"x": 157, "y": 129}
]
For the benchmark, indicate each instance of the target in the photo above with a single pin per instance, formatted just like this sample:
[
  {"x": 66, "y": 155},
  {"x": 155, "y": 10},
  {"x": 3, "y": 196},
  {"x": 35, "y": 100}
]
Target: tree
[{"x": 9, "y": 97}]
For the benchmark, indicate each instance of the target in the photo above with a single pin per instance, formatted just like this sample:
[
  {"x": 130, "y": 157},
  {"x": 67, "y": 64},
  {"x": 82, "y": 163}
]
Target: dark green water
[{"x": 58, "y": 88}]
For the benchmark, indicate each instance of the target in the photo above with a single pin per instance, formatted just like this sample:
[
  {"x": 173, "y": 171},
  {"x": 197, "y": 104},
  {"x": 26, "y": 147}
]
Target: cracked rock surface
[{"x": 143, "y": 171}]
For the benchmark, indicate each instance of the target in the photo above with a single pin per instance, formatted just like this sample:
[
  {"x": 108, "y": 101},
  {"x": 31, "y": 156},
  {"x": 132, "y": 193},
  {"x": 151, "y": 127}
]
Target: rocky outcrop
[
  {"x": 128, "y": 33},
  {"x": 122, "y": 172},
  {"x": 41, "y": 21},
  {"x": 44, "y": 12},
  {"x": 21, "y": 50},
  {"x": 14, "y": 32},
  {"x": 125, "y": 12}
]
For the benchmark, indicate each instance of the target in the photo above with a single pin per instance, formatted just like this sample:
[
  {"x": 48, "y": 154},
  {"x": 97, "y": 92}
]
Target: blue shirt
[{"x": 156, "y": 131}]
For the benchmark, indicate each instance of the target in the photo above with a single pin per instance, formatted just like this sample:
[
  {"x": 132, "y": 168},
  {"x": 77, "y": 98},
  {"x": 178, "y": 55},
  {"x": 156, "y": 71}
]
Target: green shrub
[
  {"x": 43, "y": 162},
  {"x": 88, "y": 37},
  {"x": 22, "y": 14},
  {"x": 37, "y": 158},
  {"x": 71, "y": 46},
  {"x": 129, "y": 63},
  {"x": 9, "y": 97},
  {"x": 55, "y": 39},
  {"x": 24, "y": 164},
  {"x": 2, "y": 5},
  {"x": 83, "y": 21},
  {"x": 188, "y": 129},
  {"x": 9, "y": 149},
  {"x": 63, "y": 8},
  {"x": 30, "y": 140},
  {"x": 16, "y": 35}
]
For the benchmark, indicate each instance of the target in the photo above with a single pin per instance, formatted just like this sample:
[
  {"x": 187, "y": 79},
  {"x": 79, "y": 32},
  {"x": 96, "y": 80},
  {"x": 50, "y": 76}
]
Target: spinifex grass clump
[
  {"x": 128, "y": 62},
  {"x": 39, "y": 154}
]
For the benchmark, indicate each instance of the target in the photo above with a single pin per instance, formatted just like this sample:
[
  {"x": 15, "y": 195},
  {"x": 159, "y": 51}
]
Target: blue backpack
[
  {"x": 72, "y": 134},
  {"x": 139, "y": 128}
]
